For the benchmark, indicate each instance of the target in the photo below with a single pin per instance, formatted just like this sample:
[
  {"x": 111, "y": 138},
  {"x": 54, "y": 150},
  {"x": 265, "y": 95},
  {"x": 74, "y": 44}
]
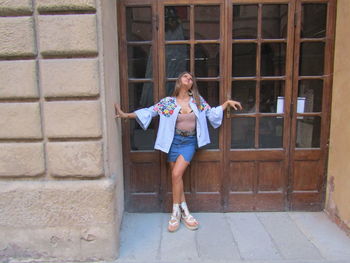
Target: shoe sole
[{"x": 188, "y": 226}]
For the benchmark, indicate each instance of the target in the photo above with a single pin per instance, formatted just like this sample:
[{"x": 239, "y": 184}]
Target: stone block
[
  {"x": 18, "y": 79},
  {"x": 75, "y": 159},
  {"x": 73, "y": 119},
  {"x": 20, "y": 121},
  {"x": 16, "y": 7},
  {"x": 65, "y": 5},
  {"x": 66, "y": 35},
  {"x": 69, "y": 77},
  {"x": 21, "y": 159},
  {"x": 17, "y": 37},
  {"x": 57, "y": 221}
]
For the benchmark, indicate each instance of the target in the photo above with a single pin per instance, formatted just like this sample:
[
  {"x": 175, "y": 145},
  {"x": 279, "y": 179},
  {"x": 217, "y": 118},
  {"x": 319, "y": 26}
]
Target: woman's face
[{"x": 187, "y": 81}]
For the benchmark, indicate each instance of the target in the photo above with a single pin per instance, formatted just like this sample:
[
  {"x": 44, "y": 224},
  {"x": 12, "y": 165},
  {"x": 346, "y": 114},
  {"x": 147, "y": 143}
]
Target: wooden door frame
[{"x": 225, "y": 83}]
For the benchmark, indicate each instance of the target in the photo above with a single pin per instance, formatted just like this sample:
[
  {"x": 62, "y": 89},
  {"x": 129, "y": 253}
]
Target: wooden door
[
  {"x": 192, "y": 39},
  {"x": 249, "y": 51}
]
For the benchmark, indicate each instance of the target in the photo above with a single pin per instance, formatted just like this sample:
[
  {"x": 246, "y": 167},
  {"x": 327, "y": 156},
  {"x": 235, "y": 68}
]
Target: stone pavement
[{"x": 263, "y": 237}]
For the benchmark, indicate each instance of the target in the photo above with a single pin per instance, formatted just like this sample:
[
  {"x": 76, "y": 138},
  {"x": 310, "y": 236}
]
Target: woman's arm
[
  {"x": 234, "y": 104},
  {"x": 124, "y": 115}
]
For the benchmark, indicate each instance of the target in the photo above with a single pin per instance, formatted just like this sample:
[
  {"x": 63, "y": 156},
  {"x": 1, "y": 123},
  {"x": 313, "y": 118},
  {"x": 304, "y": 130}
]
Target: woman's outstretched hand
[
  {"x": 118, "y": 112},
  {"x": 234, "y": 104},
  {"x": 121, "y": 114}
]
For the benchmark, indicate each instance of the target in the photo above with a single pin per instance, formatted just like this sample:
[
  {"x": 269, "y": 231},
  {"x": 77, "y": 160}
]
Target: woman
[{"x": 182, "y": 129}]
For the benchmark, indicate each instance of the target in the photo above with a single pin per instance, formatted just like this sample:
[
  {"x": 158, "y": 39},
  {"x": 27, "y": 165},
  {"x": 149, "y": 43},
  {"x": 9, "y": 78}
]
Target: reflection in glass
[
  {"x": 274, "y": 21},
  {"x": 142, "y": 139},
  {"x": 244, "y": 60},
  {"x": 244, "y": 92},
  {"x": 140, "y": 95},
  {"x": 242, "y": 133},
  {"x": 170, "y": 88},
  {"x": 308, "y": 132},
  {"x": 271, "y": 132},
  {"x": 311, "y": 91},
  {"x": 270, "y": 90},
  {"x": 311, "y": 58},
  {"x": 207, "y": 22},
  {"x": 177, "y": 22},
  {"x": 138, "y": 23},
  {"x": 139, "y": 61},
  {"x": 314, "y": 20},
  {"x": 245, "y": 21},
  {"x": 209, "y": 90},
  {"x": 273, "y": 59},
  {"x": 177, "y": 60},
  {"x": 207, "y": 58}
]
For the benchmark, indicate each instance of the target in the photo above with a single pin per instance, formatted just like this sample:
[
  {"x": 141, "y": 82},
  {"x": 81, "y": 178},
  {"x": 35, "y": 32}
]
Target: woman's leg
[
  {"x": 178, "y": 169},
  {"x": 172, "y": 164}
]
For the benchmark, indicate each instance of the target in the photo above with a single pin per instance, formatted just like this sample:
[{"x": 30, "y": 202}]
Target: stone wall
[
  {"x": 61, "y": 188},
  {"x": 338, "y": 194}
]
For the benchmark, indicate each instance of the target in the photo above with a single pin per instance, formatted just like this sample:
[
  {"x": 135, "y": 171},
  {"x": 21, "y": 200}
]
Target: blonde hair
[{"x": 194, "y": 88}]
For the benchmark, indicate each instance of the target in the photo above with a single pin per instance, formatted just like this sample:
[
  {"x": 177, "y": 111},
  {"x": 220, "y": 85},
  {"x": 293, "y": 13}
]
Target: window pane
[
  {"x": 274, "y": 21},
  {"x": 245, "y": 21},
  {"x": 210, "y": 92},
  {"x": 177, "y": 22},
  {"x": 271, "y": 91},
  {"x": 207, "y": 22},
  {"x": 314, "y": 20},
  {"x": 310, "y": 95},
  {"x": 138, "y": 23},
  {"x": 273, "y": 59},
  {"x": 242, "y": 133},
  {"x": 244, "y": 60},
  {"x": 207, "y": 58},
  {"x": 169, "y": 88},
  {"x": 308, "y": 132},
  {"x": 271, "y": 132},
  {"x": 177, "y": 58},
  {"x": 311, "y": 59},
  {"x": 244, "y": 92},
  {"x": 142, "y": 139},
  {"x": 139, "y": 61},
  {"x": 140, "y": 95}
]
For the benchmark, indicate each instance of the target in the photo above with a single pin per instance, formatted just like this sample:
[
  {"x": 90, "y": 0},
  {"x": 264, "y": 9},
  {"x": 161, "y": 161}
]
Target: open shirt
[{"x": 168, "y": 111}]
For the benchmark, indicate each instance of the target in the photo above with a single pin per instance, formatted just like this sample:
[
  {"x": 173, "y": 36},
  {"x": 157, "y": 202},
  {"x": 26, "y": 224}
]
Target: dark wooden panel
[
  {"x": 241, "y": 176},
  {"x": 270, "y": 202},
  {"x": 255, "y": 202},
  {"x": 306, "y": 201},
  {"x": 246, "y": 155},
  {"x": 143, "y": 203},
  {"x": 144, "y": 178},
  {"x": 307, "y": 175},
  {"x": 271, "y": 176},
  {"x": 207, "y": 176}
]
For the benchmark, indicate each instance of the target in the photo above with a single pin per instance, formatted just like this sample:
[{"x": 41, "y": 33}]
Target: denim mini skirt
[{"x": 182, "y": 145}]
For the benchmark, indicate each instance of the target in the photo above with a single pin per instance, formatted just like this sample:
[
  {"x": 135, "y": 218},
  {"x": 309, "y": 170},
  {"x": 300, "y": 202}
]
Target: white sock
[
  {"x": 185, "y": 208},
  {"x": 176, "y": 209}
]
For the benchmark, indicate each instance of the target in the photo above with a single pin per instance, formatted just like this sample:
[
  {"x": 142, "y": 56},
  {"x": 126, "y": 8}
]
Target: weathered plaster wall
[
  {"x": 61, "y": 187},
  {"x": 338, "y": 194}
]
